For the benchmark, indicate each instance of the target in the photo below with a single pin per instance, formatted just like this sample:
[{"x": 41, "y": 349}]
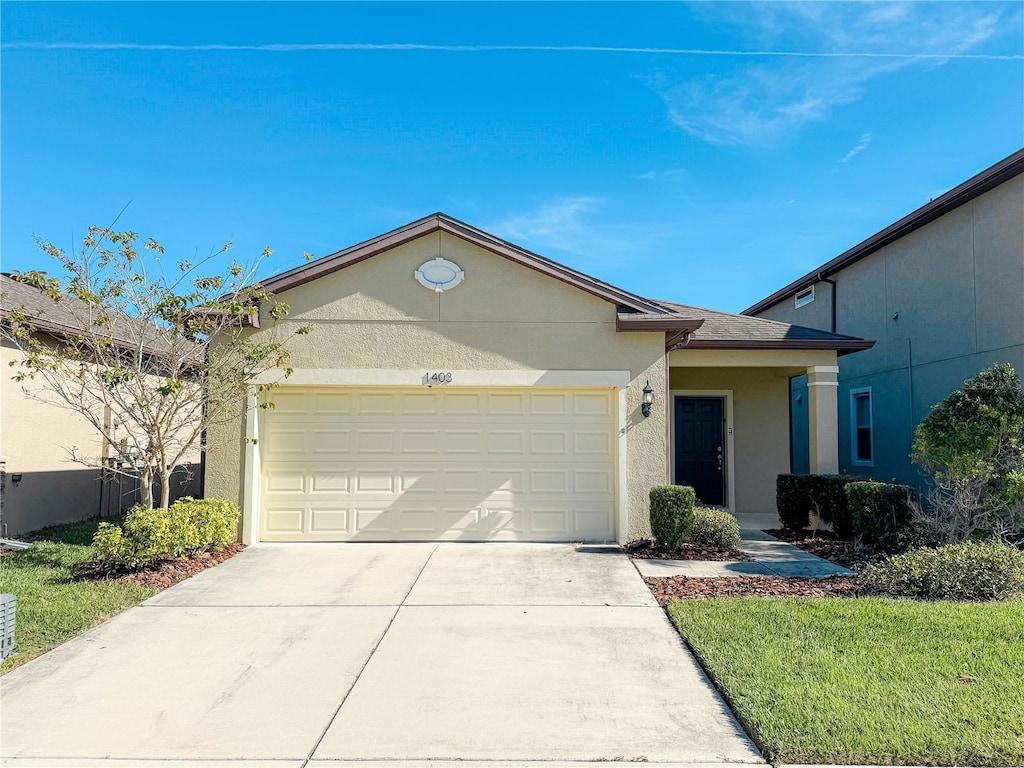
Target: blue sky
[{"x": 709, "y": 176}]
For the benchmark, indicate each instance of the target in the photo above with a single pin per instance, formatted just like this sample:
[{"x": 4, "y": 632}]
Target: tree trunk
[
  {"x": 165, "y": 488},
  {"x": 146, "y": 485}
]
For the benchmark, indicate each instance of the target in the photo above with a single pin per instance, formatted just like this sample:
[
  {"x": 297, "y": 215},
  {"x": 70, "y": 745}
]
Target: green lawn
[
  {"x": 52, "y": 609},
  {"x": 867, "y": 680}
]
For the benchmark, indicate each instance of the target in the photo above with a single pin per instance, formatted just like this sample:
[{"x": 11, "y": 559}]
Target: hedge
[
  {"x": 792, "y": 502},
  {"x": 796, "y": 496},
  {"x": 188, "y": 527},
  {"x": 671, "y": 513},
  {"x": 974, "y": 570},
  {"x": 883, "y": 514}
]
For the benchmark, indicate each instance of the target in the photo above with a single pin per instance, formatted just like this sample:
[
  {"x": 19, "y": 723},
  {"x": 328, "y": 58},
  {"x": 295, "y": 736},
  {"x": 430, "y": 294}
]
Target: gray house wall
[{"x": 942, "y": 303}]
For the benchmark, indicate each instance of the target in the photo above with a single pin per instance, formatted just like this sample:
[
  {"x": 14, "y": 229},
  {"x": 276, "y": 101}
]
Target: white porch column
[{"x": 823, "y": 418}]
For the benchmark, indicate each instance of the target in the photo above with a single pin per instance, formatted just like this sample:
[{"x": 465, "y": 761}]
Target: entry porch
[{"x": 729, "y": 421}]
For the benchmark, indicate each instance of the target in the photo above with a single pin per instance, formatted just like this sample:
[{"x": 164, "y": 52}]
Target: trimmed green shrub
[
  {"x": 671, "y": 513},
  {"x": 796, "y": 496},
  {"x": 827, "y": 498},
  {"x": 714, "y": 528},
  {"x": 792, "y": 502},
  {"x": 214, "y": 521},
  {"x": 188, "y": 527},
  {"x": 884, "y": 515},
  {"x": 974, "y": 570}
]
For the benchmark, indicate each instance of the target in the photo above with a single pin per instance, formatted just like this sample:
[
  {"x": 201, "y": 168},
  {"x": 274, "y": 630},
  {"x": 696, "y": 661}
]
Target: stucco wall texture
[
  {"x": 942, "y": 304},
  {"x": 34, "y": 438},
  {"x": 503, "y": 317}
]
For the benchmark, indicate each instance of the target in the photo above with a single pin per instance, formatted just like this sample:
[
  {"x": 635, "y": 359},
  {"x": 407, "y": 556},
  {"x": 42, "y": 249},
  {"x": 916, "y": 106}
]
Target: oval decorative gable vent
[{"x": 439, "y": 274}]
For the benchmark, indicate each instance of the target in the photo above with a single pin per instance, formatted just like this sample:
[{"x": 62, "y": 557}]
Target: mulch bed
[
  {"x": 692, "y": 552},
  {"x": 825, "y": 545},
  {"x": 685, "y": 587},
  {"x": 162, "y": 574}
]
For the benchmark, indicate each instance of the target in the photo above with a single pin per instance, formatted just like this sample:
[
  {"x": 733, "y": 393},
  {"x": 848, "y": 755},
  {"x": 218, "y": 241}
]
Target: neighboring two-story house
[{"x": 942, "y": 293}]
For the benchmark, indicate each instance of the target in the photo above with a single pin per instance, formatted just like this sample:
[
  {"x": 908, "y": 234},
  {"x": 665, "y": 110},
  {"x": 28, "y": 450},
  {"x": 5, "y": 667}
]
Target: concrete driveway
[{"x": 379, "y": 655}]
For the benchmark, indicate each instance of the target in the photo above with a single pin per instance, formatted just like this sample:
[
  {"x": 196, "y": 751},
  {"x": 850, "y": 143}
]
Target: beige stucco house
[
  {"x": 458, "y": 387},
  {"x": 39, "y": 483},
  {"x": 942, "y": 292}
]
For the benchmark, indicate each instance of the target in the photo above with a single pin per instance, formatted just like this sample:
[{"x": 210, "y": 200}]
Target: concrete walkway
[
  {"x": 379, "y": 655},
  {"x": 771, "y": 558}
]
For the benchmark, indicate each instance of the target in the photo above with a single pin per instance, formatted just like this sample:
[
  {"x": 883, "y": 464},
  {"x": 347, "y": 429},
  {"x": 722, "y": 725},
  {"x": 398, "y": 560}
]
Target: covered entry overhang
[{"x": 729, "y": 421}]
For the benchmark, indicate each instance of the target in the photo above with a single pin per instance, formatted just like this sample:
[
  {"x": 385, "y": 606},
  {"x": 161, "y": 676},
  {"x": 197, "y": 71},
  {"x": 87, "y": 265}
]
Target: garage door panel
[
  {"x": 330, "y": 403},
  {"x": 549, "y": 480},
  {"x": 592, "y": 481},
  {"x": 457, "y": 520},
  {"x": 376, "y": 403},
  {"x": 439, "y": 465},
  {"x": 285, "y": 402},
  {"x": 328, "y": 481},
  {"x": 419, "y": 481},
  {"x": 462, "y": 403},
  {"x": 326, "y": 442},
  {"x": 329, "y": 521},
  {"x": 462, "y": 480},
  {"x": 597, "y": 404},
  {"x": 506, "y": 404},
  {"x": 419, "y": 441},
  {"x": 550, "y": 521},
  {"x": 283, "y": 519},
  {"x": 284, "y": 443},
  {"x": 549, "y": 404},
  {"x": 506, "y": 442}
]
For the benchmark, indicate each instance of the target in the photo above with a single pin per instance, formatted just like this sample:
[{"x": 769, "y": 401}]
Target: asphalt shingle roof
[
  {"x": 725, "y": 326},
  {"x": 64, "y": 316}
]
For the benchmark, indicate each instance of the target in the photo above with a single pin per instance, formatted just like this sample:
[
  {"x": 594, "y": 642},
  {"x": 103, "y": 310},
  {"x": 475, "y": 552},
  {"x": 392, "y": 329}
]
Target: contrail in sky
[{"x": 290, "y": 47}]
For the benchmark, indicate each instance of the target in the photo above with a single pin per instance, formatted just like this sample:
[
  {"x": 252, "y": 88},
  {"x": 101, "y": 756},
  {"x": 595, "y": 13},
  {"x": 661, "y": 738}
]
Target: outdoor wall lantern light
[{"x": 648, "y": 401}]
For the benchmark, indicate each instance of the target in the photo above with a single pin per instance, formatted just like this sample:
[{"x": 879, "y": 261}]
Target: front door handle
[{"x": 719, "y": 458}]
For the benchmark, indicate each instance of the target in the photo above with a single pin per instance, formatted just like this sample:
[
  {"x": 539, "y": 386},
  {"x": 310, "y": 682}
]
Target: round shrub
[
  {"x": 714, "y": 528},
  {"x": 975, "y": 570},
  {"x": 671, "y": 513}
]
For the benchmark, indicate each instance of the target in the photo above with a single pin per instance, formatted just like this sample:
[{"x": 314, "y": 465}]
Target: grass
[
  {"x": 52, "y": 608},
  {"x": 867, "y": 680}
]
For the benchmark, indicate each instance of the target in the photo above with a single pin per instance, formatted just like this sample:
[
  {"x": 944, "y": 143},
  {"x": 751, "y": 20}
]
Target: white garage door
[{"x": 438, "y": 464}]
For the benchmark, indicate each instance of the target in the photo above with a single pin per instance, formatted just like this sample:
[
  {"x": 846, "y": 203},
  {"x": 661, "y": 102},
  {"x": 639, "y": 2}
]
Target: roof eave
[
  {"x": 627, "y": 321},
  {"x": 842, "y": 346}
]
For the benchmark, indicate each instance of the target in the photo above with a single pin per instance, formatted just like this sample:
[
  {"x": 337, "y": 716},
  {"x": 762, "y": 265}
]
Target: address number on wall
[{"x": 430, "y": 378}]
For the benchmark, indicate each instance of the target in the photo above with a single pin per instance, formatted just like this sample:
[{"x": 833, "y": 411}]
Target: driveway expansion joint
[{"x": 369, "y": 656}]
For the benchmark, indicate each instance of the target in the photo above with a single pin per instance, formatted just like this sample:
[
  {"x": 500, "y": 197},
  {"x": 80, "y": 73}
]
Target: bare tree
[{"x": 165, "y": 357}]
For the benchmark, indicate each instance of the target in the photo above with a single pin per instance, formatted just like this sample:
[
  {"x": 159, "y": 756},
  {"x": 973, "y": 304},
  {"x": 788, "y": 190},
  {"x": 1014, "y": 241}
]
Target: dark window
[{"x": 861, "y": 418}]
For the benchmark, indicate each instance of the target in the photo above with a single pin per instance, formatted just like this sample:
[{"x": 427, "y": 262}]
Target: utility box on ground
[{"x": 8, "y": 607}]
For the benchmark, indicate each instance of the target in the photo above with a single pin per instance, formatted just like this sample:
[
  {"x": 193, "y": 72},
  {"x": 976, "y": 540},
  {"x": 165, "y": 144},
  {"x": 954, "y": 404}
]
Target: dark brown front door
[{"x": 700, "y": 447}]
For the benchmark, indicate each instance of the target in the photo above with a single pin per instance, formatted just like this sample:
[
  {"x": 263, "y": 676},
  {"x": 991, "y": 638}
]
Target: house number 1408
[{"x": 437, "y": 377}]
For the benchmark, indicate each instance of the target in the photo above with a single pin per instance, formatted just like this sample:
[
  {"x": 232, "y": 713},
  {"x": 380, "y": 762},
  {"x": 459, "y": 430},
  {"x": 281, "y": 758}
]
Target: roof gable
[{"x": 443, "y": 223}]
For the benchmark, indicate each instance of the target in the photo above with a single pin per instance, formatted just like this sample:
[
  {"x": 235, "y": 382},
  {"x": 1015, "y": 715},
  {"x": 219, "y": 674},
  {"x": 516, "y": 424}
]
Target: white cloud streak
[
  {"x": 861, "y": 146},
  {"x": 557, "y": 224},
  {"x": 293, "y": 47},
  {"x": 770, "y": 99}
]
